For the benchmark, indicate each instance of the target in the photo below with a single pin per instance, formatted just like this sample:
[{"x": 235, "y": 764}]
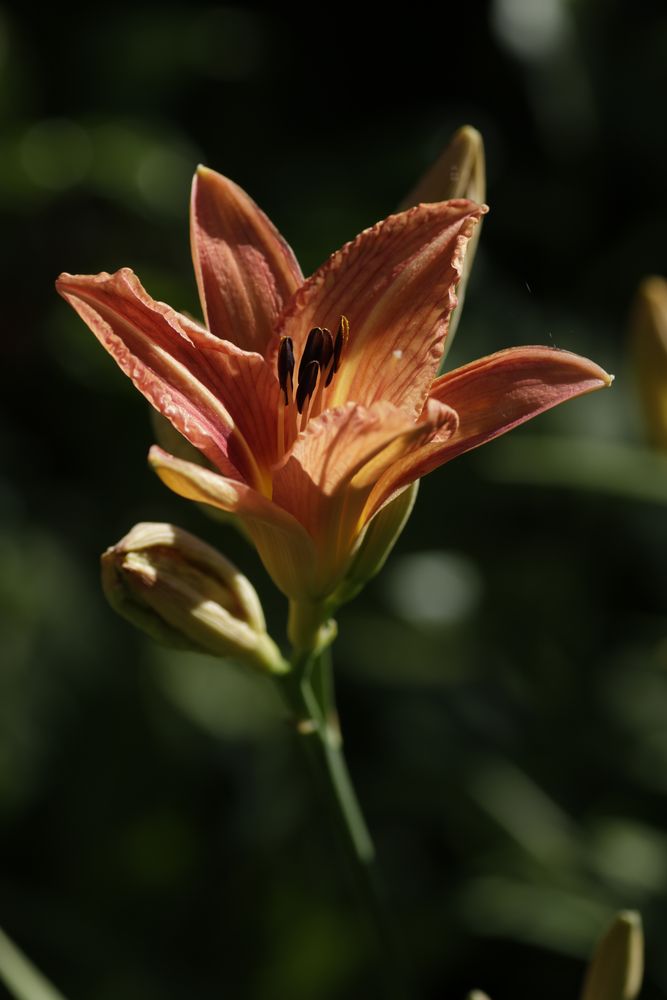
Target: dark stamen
[
  {"x": 342, "y": 337},
  {"x": 312, "y": 351},
  {"x": 327, "y": 350},
  {"x": 307, "y": 382},
  {"x": 286, "y": 366}
]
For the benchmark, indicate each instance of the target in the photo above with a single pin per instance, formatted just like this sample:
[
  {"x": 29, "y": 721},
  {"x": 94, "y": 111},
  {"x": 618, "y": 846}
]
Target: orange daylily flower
[{"x": 315, "y": 401}]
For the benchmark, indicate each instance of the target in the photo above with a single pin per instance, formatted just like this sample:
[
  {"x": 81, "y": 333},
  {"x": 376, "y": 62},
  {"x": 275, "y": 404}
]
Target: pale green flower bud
[
  {"x": 617, "y": 967},
  {"x": 649, "y": 336},
  {"x": 184, "y": 593}
]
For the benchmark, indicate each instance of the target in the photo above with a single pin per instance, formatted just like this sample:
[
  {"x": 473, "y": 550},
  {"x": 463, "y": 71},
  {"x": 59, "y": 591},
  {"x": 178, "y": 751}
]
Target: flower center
[{"x": 320, "y": 360}]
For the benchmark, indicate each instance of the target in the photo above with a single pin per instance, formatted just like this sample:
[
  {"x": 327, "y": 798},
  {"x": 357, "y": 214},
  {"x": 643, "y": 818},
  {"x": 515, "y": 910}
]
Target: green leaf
[{"x": 608, "y": 467}]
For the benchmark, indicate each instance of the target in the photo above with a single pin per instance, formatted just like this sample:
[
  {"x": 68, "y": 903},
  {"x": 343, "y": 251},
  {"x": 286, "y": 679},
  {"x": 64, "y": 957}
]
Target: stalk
[{"x": 309, "y": 694}]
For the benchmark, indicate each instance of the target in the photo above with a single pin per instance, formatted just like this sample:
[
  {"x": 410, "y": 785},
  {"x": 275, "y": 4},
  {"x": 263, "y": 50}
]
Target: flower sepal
[
  {"x": 376, "y": 545},
  {"x": 310, "y": 628},
  {"x": 185, "y": 594}
]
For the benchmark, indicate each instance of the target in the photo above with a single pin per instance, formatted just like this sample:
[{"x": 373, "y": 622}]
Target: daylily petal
[
  {"x": 249, "y": 389},
  {"x": 491, "y": 396},
  {"x": 283, "y": 545},
  {"x": 245, "y": 270},
  {"x": 335, "y": 463},
  {"x": 459, "y": 172},
  {"x": 395, "y": 283},
  {"x": 201, "y": 384}
]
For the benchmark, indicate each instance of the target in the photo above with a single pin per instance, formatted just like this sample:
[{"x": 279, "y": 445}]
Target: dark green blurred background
[{"x": 503, "y": 684}]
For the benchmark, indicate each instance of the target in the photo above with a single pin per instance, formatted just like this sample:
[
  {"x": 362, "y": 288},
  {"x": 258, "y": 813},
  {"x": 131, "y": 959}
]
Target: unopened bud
[
  {"x": 649, "y": 335},
  {"x": 184, "y": 593},
  {"x": 459, "y": 172},
  {"x": 617, "y": 966}
]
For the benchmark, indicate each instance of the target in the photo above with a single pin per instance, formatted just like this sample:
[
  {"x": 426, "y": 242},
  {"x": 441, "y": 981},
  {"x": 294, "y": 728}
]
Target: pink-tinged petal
[
  {"x": 395, "y": 283},
  {"x": 491, "y": 396},
  {"x": 335, "y": 463},
  {"x": 245, "y": 270},
  {"x": 249, "y": 388},
  {"x": 283, "y": 546},
  {"x": 221, "y": 399}
]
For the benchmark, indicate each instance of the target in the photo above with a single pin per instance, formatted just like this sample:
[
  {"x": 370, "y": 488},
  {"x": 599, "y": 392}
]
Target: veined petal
[
  {"x": 395, "y": 283},
  {"x": 459, "y": 172},
  {"x": 218, "y": 397},
  {"x": 283, "y": 545},
  {"x": 245, "y": 270},
  {"x": 491, "y": 396},
  {"x": 336, "y": 462},
  {"x": 249, "y": 389}
]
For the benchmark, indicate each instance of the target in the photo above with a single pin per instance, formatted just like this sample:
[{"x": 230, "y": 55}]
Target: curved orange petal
[
  {"x": 395, "y": 283},
  {"x": 283, "y": 545},
  {"x": 245, "y": 270},
  {"x": 491, "y": 396},
  {"x": 218, "y": 397},
  {"x": 336, "y": 462},
  {"x": 249, "y": 389}
]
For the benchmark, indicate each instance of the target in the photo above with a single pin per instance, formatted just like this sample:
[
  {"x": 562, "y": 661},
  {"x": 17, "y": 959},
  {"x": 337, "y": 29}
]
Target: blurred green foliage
[{"x": 503, "y": 683}]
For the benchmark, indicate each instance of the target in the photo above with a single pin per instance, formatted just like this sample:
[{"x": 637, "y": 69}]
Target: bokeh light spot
[
  {"x": 530, "y": 30},
  {"x": 163, "y": 178},
  {"x": 56, "y": 153},
  {"x": 433, "y": 588}
]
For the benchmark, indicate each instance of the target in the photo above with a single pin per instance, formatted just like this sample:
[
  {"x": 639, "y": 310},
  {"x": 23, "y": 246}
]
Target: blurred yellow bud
[
  {"x": 477, "y": 995},
  {"x": 184, "y": 593},
  {"x": 649, "y": 335},
  {"x": 459, "y": 172},
  {"x": 617, "y": 966}
]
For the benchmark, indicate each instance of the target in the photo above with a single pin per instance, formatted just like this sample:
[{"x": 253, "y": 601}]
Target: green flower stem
[
  {"x": 322, "y": 683},
  {"x": 308, "y": 692}
]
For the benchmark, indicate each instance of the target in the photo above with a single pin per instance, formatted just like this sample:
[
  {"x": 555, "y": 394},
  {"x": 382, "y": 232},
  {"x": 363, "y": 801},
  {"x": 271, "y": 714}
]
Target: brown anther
[
  {"x": 307, "y": 382},
  {"x": 312, "y": 351},
  {"x": 286, "y": 367},
  {"x": 327, "y": 349},
  {"x": 342, "y": 337}
]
